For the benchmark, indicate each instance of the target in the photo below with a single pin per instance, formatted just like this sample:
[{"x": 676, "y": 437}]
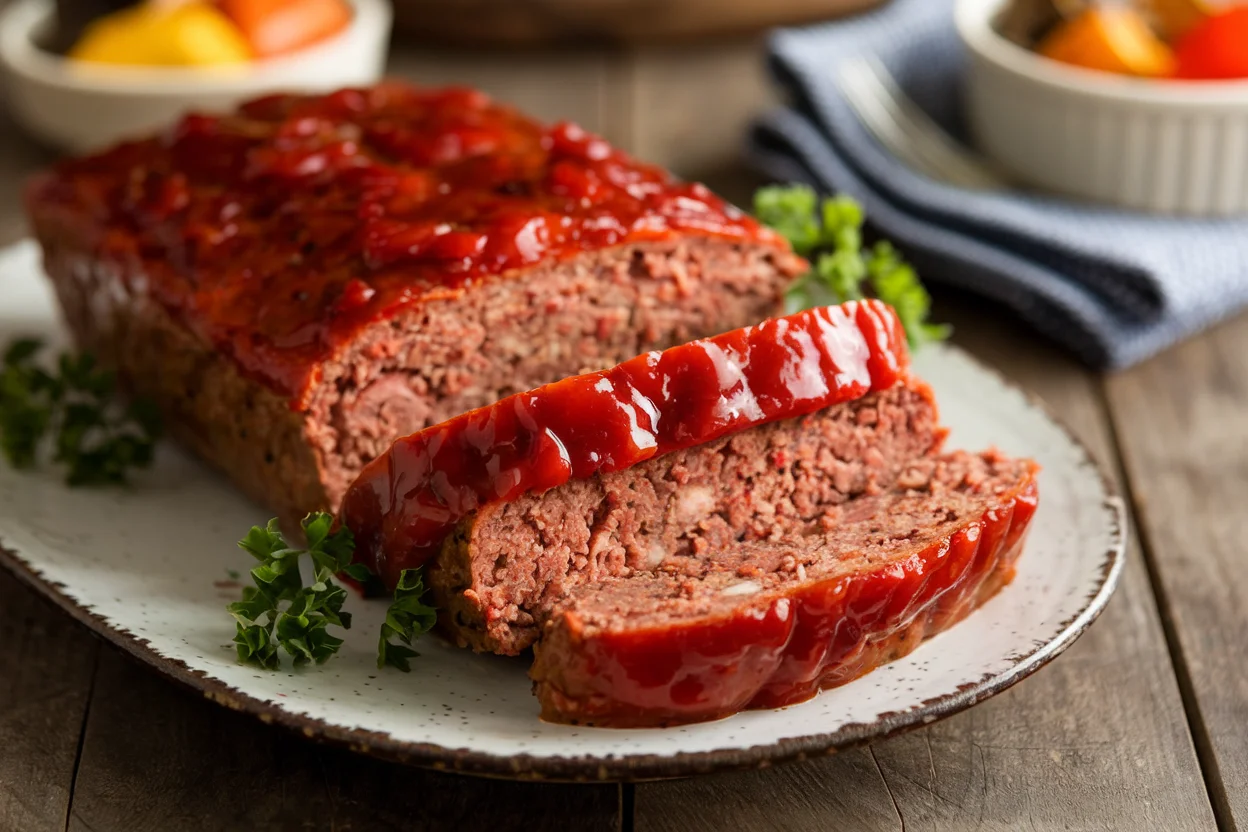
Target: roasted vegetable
[
  {"x": 275, "y": 27},
  {"x": 1216, "y": 49},
  {"x": 188, "y": 34},
  {"x": 1112, "y": 39}
]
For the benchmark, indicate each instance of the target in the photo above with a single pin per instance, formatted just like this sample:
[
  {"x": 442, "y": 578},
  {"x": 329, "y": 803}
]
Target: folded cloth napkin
[{"x": 1114, "y": 286}]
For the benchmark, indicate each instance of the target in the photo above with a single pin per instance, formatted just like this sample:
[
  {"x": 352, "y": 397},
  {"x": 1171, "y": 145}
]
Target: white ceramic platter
[{"x": 146, "y": 567}]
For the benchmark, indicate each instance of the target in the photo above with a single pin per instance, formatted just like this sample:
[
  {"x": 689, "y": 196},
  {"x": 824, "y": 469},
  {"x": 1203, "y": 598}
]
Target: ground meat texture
[
  {"x": 442, "y": 358},
  {"x": 769, "y": 623},
  {"x": 506, "y": 566}
]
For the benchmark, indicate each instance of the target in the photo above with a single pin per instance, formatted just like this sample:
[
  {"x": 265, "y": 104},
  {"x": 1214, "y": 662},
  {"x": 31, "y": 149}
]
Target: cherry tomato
[{"x": 1215, "y": 49}]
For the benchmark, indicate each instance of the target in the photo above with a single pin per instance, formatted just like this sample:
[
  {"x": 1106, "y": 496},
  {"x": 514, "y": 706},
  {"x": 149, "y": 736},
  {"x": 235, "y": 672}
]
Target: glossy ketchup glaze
[
  {"x": 405, "y": 502},
  {"x": 817, "y": 635},
  {"x": 278, "y": 231}
]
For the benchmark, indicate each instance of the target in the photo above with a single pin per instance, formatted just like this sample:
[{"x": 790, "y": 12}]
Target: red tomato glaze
[
  {"x": 405, "y": 502},
  {"x": 278, "y": 231},
  {"x": 818, "y": 635}
]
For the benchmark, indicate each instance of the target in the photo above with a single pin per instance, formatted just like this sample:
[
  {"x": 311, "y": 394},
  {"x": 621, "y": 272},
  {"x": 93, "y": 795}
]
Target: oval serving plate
[{"x": 147, "y": 568}]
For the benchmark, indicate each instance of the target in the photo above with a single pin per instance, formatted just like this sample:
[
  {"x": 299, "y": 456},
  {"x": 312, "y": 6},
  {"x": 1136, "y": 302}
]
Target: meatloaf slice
[
  {"x": 508, "y": 563},
  {"x": 770, "y": 623},
  {"x": 301, "y": 281}
]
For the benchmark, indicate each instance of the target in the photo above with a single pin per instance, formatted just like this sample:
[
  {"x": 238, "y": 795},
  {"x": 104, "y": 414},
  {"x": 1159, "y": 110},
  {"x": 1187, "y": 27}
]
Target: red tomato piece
[{"x": 1216, "y": 49}]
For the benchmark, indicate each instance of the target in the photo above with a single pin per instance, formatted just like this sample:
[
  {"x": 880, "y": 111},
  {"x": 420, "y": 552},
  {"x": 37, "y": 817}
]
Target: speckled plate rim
[{"x": 639, "y": 766}]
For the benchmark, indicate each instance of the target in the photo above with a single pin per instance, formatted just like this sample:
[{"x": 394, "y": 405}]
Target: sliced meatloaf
[
  {"x": 407, "y": 502},
  {"x": 751, "y": 435},
  {"x": 508, "y": 563},
  {"x": 735, "y": 522},
  {"x": 300, "y": 282},
  {"x": 769, "y": 623}
]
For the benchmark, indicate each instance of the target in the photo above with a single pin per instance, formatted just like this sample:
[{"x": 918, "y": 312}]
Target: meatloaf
[
  {"x": 733, "y": 523},
  {"x": 301, "y": 281},
  {"x": 769, "y": 623},
  {"x": 405, "y": 504},
  {"x": 508, "y": 563}
]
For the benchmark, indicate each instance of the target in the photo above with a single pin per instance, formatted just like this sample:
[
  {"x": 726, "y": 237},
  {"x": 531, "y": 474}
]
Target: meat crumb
[{"x": 914, "y": 479}]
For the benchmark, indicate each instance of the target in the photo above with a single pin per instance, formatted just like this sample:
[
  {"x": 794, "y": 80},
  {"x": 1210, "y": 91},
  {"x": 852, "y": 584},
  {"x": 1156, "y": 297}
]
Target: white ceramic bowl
[
  {"x": 80, "y": 106},
  {"x": 1151, "y": 145}
]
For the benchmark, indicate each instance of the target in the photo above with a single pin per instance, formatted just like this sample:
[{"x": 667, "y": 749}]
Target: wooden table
[{"x": 1142, "y": 725}]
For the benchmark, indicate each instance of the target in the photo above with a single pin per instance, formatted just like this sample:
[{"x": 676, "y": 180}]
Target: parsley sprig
[
  {"x": 281, "y": 613},
  {"x": 280, "y": 610},
  {"x": 94, "y": 435},
  {"x": 408, "y": 618},
  {"x": 829, "y": 231}
]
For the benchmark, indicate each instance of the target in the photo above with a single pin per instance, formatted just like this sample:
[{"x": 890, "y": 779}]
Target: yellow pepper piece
[{"x": 189, "y": 34}]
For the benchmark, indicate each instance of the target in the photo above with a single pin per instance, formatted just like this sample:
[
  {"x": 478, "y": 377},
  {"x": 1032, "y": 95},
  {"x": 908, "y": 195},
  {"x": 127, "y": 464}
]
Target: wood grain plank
[
  {"x": 1097, "y": 740},
  {"x": 551, "y": 86},
  {"x": 688, "y": 106},
  {"x": 156, "y": 758},
  {"x": 842, "y": 792},
  {"x": 47, "y": 661},
  {"x": 1182, "y": 426}
]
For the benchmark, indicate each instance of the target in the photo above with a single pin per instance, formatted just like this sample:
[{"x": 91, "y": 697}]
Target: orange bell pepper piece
[{"x": 1112, "y": 39}]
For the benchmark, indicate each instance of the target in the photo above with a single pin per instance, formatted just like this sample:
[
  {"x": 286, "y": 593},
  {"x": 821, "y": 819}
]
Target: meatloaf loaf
[{"x": 301, "y": 281}]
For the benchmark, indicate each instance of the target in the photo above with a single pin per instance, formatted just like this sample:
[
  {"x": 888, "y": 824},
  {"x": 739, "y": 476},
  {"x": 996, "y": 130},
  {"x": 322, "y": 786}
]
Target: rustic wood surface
[
  {"x": 1142, "y": 725},
  {"x": 1182, "y": 426}
]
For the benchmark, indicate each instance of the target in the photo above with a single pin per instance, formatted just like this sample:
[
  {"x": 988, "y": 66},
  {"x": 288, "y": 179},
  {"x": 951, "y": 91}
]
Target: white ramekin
[
  {"x": 1150, "y": 145},
  {"x": 80, "y": 106}
]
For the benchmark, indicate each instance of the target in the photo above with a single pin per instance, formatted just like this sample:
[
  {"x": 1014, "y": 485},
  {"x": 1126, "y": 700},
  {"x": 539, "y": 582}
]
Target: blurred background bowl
[
  {"x": 80, "y": 106},
  {"x": 1177, "y": 147}
]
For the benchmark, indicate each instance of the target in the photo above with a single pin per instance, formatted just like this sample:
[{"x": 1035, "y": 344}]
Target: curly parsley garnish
[
  {"x": 829, "y": 230},
  {"x": 281, "y": 612},
  {"x": 407, "y": 619},
  {"x": 95, "y": 436}
]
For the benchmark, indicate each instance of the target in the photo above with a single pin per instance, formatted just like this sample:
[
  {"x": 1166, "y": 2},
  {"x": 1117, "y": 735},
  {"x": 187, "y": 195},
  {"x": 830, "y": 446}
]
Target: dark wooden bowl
[{"x": 544, "y": 22}]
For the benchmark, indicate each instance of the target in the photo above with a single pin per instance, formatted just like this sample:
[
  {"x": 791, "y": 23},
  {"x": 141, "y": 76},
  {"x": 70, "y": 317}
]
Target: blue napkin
[{"x": 1113, "y": 286}]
